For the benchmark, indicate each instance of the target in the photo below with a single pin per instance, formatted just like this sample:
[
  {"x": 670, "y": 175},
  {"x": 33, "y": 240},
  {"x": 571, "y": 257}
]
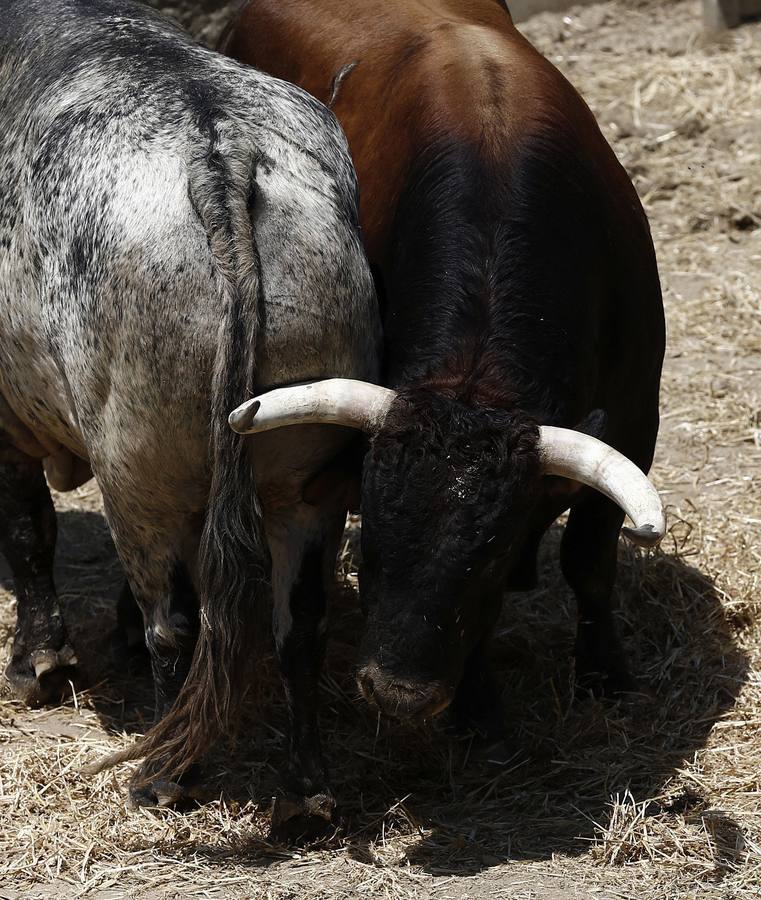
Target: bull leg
[
  {"x": 303, "y": 550},
  {"x": 170, "y": 635},
  {"x": 42, "y": 661},
  {"x": 161, "y": 584},
  {"x": 477, "y": 706},
  {"x": 171, "y": 630},
  {"x": 588, "y": 557},
  {"x": 128, "y": 638}
]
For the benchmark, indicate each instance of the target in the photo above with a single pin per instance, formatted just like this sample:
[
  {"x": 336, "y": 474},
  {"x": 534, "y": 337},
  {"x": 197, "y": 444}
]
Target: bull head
[{"x": 447, "y": 493}]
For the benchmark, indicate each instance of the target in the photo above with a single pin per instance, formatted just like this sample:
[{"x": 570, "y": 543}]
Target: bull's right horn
[
  {"x": 583, "y": 458},
  {"x": 335, "y": 401}
]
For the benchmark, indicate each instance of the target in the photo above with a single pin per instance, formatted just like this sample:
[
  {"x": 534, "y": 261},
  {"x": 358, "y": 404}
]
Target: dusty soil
[{"x": 658, "y": 797}]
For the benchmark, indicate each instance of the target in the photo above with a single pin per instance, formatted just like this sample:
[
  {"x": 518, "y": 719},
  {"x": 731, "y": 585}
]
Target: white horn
[
  {"x": 585, "y": 459},
  {"x": 335, "y": 401}
]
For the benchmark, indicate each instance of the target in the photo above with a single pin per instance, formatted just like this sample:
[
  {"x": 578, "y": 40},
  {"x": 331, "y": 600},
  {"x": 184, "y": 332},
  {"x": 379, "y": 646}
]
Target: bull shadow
[
  {"x": 550, "y": 792},
  {"x": 459, "y": 813}
]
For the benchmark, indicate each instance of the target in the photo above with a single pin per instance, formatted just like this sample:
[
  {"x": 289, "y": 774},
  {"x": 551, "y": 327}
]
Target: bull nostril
[{"x": 366, "y": 683}]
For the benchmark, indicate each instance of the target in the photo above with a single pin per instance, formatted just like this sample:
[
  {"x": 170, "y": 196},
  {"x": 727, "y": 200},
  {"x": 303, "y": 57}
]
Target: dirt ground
[{"x": 657, "y": 797}]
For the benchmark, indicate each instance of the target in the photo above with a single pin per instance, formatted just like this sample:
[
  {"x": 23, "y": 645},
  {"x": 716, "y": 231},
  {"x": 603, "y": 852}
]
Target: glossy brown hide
[{"x": 425, "y": 70}]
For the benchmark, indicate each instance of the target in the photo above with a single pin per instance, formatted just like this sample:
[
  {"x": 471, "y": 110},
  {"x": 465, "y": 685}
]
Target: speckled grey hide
[{"x": 175, "y": 229}]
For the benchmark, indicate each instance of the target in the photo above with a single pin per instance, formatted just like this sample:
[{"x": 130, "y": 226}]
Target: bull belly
[
  {"x": 37, "y": 398},
  {"x": 40, "y": 422}
]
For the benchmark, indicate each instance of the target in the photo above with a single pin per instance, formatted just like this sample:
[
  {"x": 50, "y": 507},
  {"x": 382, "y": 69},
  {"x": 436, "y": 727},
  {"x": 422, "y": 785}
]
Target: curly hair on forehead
[{"x": 422, "y": 418}]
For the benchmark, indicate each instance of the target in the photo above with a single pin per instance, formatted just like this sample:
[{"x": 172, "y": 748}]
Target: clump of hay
[{"x": 655, "y": 797}]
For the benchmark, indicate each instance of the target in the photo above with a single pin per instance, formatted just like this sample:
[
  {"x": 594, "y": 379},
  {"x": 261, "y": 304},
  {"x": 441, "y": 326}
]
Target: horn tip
[
  {"x": 241, "y": 419},
  {"x": 644, "y": 536}
]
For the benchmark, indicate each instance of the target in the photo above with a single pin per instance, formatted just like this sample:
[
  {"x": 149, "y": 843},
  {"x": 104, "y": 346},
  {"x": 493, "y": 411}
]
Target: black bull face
[{"x": 446, "y": 495}]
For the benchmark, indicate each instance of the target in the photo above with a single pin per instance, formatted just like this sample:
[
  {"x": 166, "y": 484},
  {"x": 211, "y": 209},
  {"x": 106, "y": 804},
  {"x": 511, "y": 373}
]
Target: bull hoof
[
  {"x": 158, "y": 793},
  {"x": 42, "y": 676},
  {"x": 604, "y": 685},
  {"x": 163, "y": 792},
  {"x": 302, "y": 820},
  {"x": 600, "y": 669}
]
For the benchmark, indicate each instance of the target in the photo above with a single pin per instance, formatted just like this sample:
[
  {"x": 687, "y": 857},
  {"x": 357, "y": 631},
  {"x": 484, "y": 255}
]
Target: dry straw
[{"x": 658, "y": 797}]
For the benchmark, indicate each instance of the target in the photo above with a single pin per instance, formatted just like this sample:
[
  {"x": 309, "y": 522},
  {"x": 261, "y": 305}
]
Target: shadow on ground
[{"x": 565, "y": 759}]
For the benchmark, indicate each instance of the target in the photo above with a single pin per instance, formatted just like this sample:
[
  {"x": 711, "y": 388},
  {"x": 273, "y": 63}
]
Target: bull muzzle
[{"x": 403, "y": 698}]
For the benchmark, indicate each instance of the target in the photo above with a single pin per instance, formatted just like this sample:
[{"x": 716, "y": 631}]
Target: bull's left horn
[
  {"x": 335, "y": 401},
  {"x": 583, "y": 458}
]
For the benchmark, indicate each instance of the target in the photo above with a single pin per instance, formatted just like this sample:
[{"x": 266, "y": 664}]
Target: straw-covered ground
[{"x": 657, "y": 797}]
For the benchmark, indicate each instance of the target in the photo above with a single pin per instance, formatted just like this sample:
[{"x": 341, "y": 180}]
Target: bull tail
[
  {"x": 134, "y": 751},
  {"x": 233, "y": 559}
]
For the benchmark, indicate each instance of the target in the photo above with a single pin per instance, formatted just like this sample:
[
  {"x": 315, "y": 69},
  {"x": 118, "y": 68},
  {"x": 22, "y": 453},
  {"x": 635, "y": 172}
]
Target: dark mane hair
[{"x": 495, "y": 269}]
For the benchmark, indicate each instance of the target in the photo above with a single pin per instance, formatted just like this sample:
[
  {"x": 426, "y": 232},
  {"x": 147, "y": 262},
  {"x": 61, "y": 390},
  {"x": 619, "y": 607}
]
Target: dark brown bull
[{"x": 520, "y": 293}]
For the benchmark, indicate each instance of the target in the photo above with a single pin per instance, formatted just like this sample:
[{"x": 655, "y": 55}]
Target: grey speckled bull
[{"x": 176, "y": 231}]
